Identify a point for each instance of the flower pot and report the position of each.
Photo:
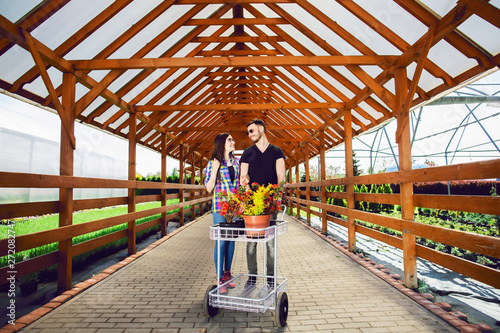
(28, 288)
(233, 224)
(256, 222)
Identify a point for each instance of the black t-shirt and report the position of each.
(262, 166)
(231, 173)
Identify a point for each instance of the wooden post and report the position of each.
(132, 129)
(406, 189)
(64, 271)
(202, 205)
(193, 174)
(322, 176)
(163, 219)
(297, 177)
(290, 190)
(351, 226)
(308, 188)
(181, 181)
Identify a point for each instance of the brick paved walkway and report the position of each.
(163, 291)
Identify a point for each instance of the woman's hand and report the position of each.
(215, 165)
(213, 175)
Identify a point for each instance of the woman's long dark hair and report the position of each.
(218, 151)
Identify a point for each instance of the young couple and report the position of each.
(261, 163)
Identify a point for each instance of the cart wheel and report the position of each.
(281, 313)
(210, 310)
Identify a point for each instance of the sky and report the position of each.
(434, 134)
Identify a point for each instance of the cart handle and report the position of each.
(283, 208)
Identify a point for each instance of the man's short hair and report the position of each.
(257, 121)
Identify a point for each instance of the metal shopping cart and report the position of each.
(261, 295)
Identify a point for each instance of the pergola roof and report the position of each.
(193, 68)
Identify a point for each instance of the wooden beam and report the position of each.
(236, 21)
(63, 114)
(308, 189)
(239, 107)
(50, 57)
(349, 170)
(163, 193)
(322, 175)
(237, 39)
(416, 78)
(238, 128)
(406, 188)
(193, 2)
(181, 181)
(186, 62)
(65, 255)
(132, 158)
(193, 174)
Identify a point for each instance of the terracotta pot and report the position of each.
(256, 222)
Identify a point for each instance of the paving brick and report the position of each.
(163, 291)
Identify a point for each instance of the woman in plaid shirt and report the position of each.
(222, 176)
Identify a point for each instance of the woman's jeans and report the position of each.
(226, 249)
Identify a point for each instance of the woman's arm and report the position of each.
(212, 175)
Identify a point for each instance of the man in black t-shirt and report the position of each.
(261, 163)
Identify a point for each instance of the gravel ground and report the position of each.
(480, 302)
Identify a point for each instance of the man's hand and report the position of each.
(245, 180)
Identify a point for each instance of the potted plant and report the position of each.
(28, 283)
(256, 205)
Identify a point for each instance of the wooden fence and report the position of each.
(195, 194)
(481, 244)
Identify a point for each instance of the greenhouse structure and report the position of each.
(170, 75)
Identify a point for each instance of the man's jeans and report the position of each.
(252, 257)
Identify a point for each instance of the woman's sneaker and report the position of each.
(226, 277)
(222, 289)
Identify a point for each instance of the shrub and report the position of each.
(422, 287)
(441, 247)
(485, 261)
(462, 187)
(469, 255)
(374, 206)
(456, 251)
(386, 189)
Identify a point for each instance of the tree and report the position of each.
(356, 165)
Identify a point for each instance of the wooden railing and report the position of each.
(195, 194)
(481, 244)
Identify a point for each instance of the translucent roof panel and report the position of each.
(214, 66)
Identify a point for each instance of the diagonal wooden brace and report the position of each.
(416, 78)
(63, 114)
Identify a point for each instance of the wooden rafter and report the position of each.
(234, 61)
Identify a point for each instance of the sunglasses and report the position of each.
(249, 131)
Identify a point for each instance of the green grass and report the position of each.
(33, 224)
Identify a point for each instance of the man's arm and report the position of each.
(244, 178)
(280, 170)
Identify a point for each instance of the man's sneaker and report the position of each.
(251, 282)
(226, 277)
(222, 289)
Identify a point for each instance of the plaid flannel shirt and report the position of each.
(224, 183)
